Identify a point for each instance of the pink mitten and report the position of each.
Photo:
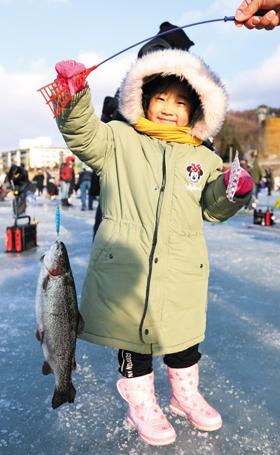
(67, 70)
(245, 183)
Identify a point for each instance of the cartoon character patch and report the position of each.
(194, 172)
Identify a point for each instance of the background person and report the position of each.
(17, 175)
(84, 183)
(51, 185)
(268, 176)
(18, 178)
(39, 179)
(256, 173)
(66, 176)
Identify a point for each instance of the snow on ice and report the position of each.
(239, 368)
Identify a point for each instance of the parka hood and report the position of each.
(182, 64)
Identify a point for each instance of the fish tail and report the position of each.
(46, 368)
(63, 397)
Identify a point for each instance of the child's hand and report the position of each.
(67, 70)
(245, 183)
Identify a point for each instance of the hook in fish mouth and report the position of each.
(56, 272)
(56, 260)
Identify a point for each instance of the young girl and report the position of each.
(145, 290)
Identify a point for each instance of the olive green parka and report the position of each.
(146, 284)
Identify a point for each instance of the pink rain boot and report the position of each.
(187, 401)
(143, 411)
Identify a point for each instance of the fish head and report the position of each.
(56, 259)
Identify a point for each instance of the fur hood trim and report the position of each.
(184, 65)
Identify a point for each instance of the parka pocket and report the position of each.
(188, 255)
(118, 245)
(102, 240)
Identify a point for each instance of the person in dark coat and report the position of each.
(174, 40)
(268, 180)
(39, 180)
(17, 176)
(52, 186)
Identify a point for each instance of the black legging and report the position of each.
(133, 364)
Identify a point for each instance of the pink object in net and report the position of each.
(57, 94)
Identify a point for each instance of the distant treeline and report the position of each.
(240, 131)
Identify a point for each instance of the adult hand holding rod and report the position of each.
(259, 14)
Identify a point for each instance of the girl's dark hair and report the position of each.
(160, 84)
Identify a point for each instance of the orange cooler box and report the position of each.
(21, 237)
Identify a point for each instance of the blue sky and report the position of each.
(35, 34)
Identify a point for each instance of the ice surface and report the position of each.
(239, 368)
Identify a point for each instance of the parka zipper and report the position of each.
(154, 243)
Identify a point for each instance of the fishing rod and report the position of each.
(166, 32)
(57, 94)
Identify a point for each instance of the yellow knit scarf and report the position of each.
(168, 133)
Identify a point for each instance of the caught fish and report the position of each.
(58, 321)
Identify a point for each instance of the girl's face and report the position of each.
(170, 107)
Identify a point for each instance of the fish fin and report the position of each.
(81, 324)
(46, 369)
(63, 397)
(45, 282)
(39, 335)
